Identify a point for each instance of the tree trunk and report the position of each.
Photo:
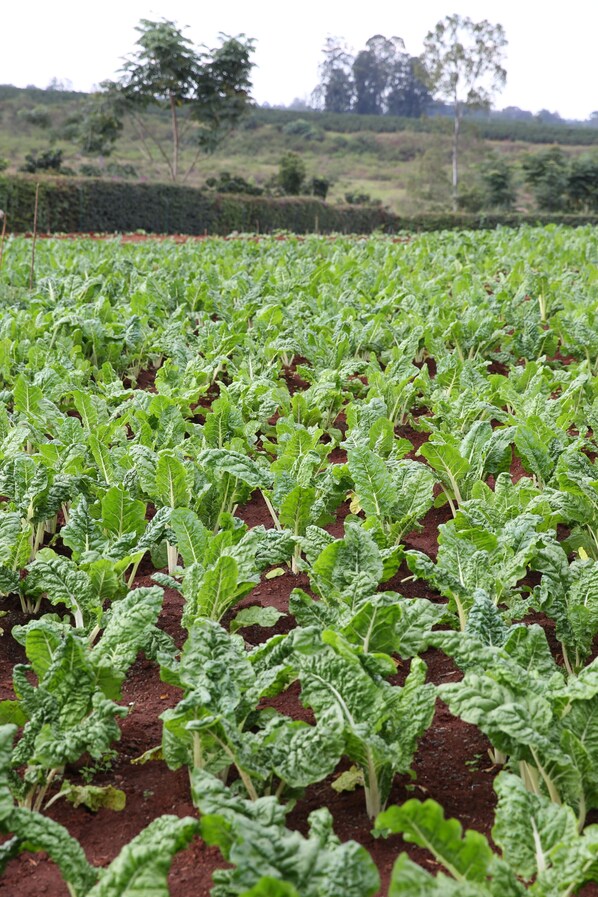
(455, 150)
(175, 138)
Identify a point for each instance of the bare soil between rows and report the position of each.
(451, 765)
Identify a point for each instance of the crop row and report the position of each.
(149, 394)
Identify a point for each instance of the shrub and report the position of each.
(361, 199)
(228, 183)
(497, 180)
(291, 173)
(547, 174)
(48, 160)
(302, 128)
(319, 187)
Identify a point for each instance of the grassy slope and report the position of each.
(408, 170)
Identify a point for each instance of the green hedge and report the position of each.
(88, 205)
(94, 205)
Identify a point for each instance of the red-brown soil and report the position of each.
(451, 764)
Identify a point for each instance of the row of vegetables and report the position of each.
(149, 392)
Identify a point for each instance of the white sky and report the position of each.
(552, 57)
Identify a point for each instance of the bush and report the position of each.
(121, 170)
(361, 199)
(319, 187)
(38, 116)
(87, 170)
(291, 173)
(227, 183)
(3, 163)
(47, 160)
(302, 128)
(547, 174)
(100, 205)
(498, 187)
(582, 187)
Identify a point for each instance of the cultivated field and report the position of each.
(299, 557)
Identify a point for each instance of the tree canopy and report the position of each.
(205, 91)
(462, 61)
(381, 79)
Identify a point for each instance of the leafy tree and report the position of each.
(583, 184)
(372, 72)
(462, 61)
(99, 126)
(497, 180)
(547, 174)
(382, 79)
(205, 93)
(291, 173)
(407, 94)
(386, 80)
(336, 90)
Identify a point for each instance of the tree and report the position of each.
(407, 94)
(372, 72)
(462, 61)
(291, 173)
(99, 125)
(547, 173)
(497, 179)
(336, 90)
(583, 183)
(381, 80)
(205, 93)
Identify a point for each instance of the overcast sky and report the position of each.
(552, 59)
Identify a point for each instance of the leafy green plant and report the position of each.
(381, 723)
(255, 841)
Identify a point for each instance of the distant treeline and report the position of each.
(485, 128)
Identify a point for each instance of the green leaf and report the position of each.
(122, 514)
(82, 533)
(130, 629)
(528, 827)
(533, 453)
(102, 457)
(414, 485)
(256, 616)
(64, 584)
(467, 857)
(297, 508)
(271, 887)
(191, 535)
(216, 591)
(373, 483)
(172, 488)
(253, 838)
(237, 465)
(443, 454)
(351, 567)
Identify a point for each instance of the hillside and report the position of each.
(403, 163)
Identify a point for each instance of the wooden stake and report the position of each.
(32, 273)
(2, 235)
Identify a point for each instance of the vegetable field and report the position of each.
(299, 566)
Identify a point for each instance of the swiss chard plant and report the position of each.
(255, 842)
(381, 723)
